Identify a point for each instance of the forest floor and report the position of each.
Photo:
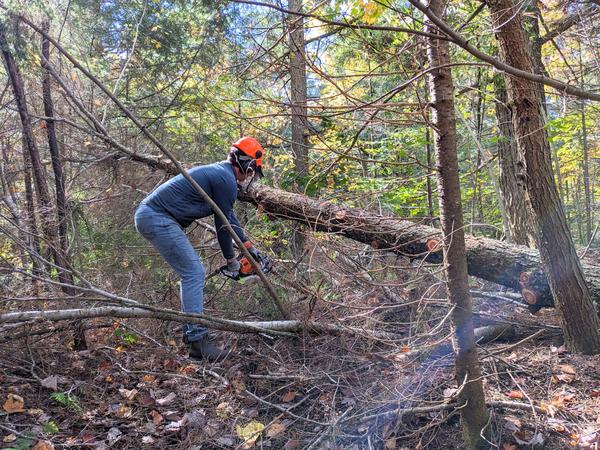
(136, 388)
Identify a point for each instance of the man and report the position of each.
(164, 214)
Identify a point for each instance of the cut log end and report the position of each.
(530, 297)
(434, 245)
(525, 279)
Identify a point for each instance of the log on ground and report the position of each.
(514, 266)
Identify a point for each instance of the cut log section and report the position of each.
(513, 266)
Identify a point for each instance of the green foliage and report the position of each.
(67, 400)
(126, 337)
(50, 427)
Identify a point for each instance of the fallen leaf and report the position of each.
(515, 394)
(275, 429)
(43, 445)
(87, 437)
(292, 444)
(238, 384)
(250, 432)
(170, 363)
(146, 400)
(390, 444)
(226, 441)
(548, 409)
(104, 365)
(449, 392)
(556, 425)
(113, 435)
(151, 379)
(10, 438)
(507, 446)
(172, 415)
(190, 369)
(511, 423)
(128, 394)
(567, 374)
(35, 412)
(157, 419)
(167, 400)
(559, 400)
(567, 368)
(289, 396)
(147, 440)
(224, 410)
(124, 412)
(212, 428)
(50, 382)
(14, 403)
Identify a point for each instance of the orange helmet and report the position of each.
(252, 149)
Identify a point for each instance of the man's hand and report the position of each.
(255, 253)
(232, 269)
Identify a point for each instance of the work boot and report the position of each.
(204, 349)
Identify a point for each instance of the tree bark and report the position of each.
(57, 167)
(579, 322)
(513, 193)
(585, 163)
(467, 370)
(299, 108)
(33, 241)
(298, 89)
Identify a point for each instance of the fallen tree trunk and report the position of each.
(513, 266)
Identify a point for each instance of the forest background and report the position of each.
(339, 96)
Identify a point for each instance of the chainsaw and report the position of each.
(246, 267)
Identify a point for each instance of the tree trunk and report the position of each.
(298, 89)
(468, 372)
(513, 193)
(299, 109)
(513, 266)
(59, 183)
(33, 242)
(587, 192)
(532, 19)
(430, 209)
(579, 322)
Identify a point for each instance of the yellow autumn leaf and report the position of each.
(250, 432)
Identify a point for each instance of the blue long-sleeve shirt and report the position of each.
(178, 198)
